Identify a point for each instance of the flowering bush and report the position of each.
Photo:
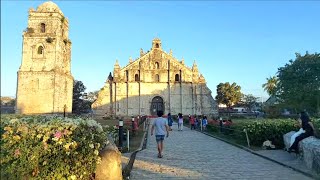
(42, 147)
(273, 130)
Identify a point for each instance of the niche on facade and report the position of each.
(176, 78)
(157, 65)
(136, 78)
(157, 78)
(42, 27)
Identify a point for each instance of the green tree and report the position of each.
(270, 85)
(249, 101)
(299, 83)
(92, 96)
(228, 94)
(78, 103)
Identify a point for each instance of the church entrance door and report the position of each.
(157, 105)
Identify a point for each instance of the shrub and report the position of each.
(39, 147)
(273, 130)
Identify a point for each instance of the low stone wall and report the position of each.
(310, 150)
(110, 167)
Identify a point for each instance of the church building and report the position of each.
(45, 83)
(155, 81)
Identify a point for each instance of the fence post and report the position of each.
(248, 141)
(128, 140)
(120, 134)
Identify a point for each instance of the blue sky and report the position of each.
(243, 42)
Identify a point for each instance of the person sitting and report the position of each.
(307, 126)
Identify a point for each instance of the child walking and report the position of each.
(180, 122)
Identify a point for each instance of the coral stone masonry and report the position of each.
(45, 82)
(155, 81)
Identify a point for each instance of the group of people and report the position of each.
(195, 122)
(162, 126)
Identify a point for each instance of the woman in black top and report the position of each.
(309, 131)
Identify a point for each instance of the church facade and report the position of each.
(44, 79)
(155, 81)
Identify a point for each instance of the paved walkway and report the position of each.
(193, 155)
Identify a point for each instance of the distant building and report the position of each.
(44, 78)
(155, 81)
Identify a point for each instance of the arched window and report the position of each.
(157, 65)
(43, 27)
(136, 77)
(176, 78)
(157, 45)
(40, 50)
(157, 78)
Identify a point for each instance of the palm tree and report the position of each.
(270, 85)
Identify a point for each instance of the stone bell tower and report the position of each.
(45, 83)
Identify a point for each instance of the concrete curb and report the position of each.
(264, 157)
(127, 169)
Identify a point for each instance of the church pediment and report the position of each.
(156, 59)
(153, 65)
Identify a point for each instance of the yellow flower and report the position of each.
(96, 152)
(9, 129)
(67, 146)
(16, 137)
(74, 144)
(39, 136)
(73, 177)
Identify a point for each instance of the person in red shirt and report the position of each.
(192, 123)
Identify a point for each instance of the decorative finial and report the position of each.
(130, 60)
(182, 60)
(141, 52)
(170, 53)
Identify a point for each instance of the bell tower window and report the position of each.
(40, 50)
(157, 65)
(43, 27)
(157, 45)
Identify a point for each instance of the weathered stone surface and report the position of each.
(45, 82)
(155, 74)
(311, 152)
(309, 148)
(110, 167)
(287, 139)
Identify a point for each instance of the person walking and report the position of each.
(180, 122)
(204, 123)
(170, 121)
(192, 123)
(161, 127)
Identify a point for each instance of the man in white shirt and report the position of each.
(161, 127)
